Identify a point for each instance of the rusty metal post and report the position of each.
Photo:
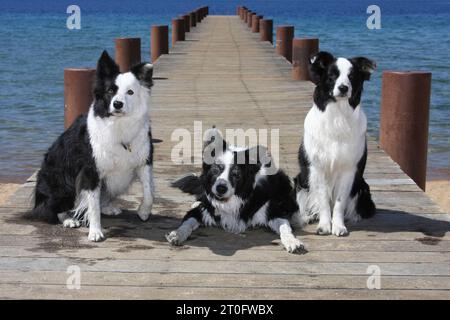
(405, 109)
(193, 19)
(238, 10)
(247, 12)
(159, 41)
(128, 53)
(302, 50)
(250, 20)
(187, 22)
(255, 23)
(178, 30)
(285, 35)
(266, 30)
(243, 13)
(77, 93)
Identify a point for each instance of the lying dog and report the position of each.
(97, 158)
(236, 192)
(333, 153)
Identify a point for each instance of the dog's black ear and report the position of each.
(106, 67)
(213, 145)
(190, 184)
(144, 73)
(364, 65)
(319, 64)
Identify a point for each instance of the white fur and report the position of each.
(118, 166)
(288, 240)
(344, 67)
(177, 237)
(334, 142)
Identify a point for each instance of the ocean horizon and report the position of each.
(37, 46)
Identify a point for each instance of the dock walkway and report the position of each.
(223, 75)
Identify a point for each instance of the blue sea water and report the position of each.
(36, 46)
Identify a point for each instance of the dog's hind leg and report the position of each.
(145, 174)
(290, 242)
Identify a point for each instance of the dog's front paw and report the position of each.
(339, 230)
(174, 239)
(111, 211)
(293, 245)
(324, 228)
(96, 235)
(144, 212)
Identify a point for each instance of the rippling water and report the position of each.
(37, 46)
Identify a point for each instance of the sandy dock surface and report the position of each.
(439, 191)
(7, 190)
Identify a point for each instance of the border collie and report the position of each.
(332, 156)
(96, 159)
(236, 191)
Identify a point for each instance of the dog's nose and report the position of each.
(221, 189)
(343, 89)
(118, 104)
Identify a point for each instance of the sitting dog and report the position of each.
(235, 192)
(97, 158)
(333, 152)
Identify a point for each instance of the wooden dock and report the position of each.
(223, 75)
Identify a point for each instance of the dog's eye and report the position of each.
(111, 91)
(130, 92)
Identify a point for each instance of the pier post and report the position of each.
(266, 30)
(178, 30)
(193, 19)
(243, 13)
(77, 93)
(247, 13)
(405, 109)
(187, 22)
(159, 41)
(255, 23)
(302, 50)
(285, 35)
(250, 20)
(128, 53)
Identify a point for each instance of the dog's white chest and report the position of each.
(118, 151)
(335, 138)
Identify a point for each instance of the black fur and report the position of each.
(365, 206)
(68, 167)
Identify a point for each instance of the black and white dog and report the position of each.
(97, 158)
(237, 191)
(333, 153)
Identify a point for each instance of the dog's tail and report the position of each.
(190, 184)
